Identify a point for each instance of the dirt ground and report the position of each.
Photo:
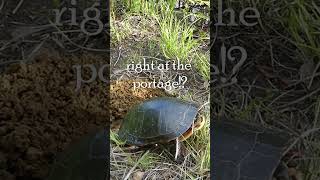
(41, 113)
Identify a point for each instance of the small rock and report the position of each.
(292, 172)
(295, 174)
(138, 175)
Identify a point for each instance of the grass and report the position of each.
(115, 139)
(200, 148)
(152, 28)
(120, 34)
(286, 38)
(199, 2)
(176, 35)
(149, 7)
(147, 160)
(144, 162)
(302, 19)
(201, 60)
(158, 161)
(293, 24)
(175, 32)
(312, 165)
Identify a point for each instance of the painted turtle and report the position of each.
(239, 151)
(160, 120)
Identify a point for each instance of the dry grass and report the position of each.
(278, 85)
(144, 41)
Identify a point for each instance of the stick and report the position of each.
(17, 7)
(135, 165)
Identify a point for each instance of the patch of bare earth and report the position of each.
(41, 113)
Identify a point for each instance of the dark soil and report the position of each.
(41, 113)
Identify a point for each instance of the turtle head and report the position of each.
(199, 122)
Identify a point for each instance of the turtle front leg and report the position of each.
(180, 151)
(177, 149)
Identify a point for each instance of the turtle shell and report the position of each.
(157, 120)
(245, 152)
(83, 160)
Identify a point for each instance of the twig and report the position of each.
(313, 74)
(2, 4)
(303, 80)
(150, 57)
(119, 55)
(35, 50)
(303, 135)
(278, 97)
(17, 7)
(135, 165)
(203, 105)
(24, 32)
(300, 99)
(73, 43)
